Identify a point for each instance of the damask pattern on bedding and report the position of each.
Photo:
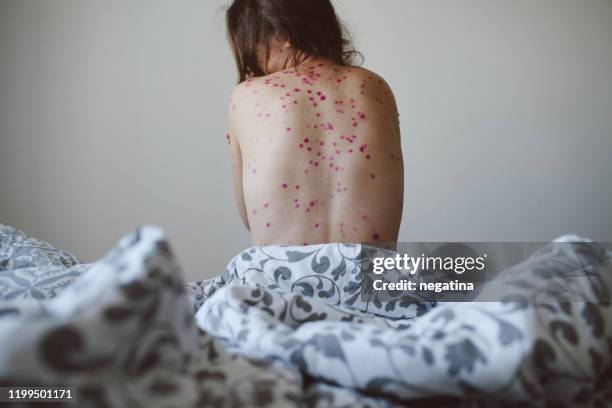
(299, 305)
(286, 326)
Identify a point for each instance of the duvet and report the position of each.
(288, 326)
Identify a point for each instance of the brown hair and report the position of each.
(310, 26)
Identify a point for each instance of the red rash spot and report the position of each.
(364, 217)
(363, 147)
(322, 143)
(296, 90)
(375, 237)
(316, 225)
(301, 146)
(350, 151)
(323, 97)
(368, 157)
(306, 140)
(297, 187)
(268, 225)
(266, 205)
(288, 129)
(312, 203)
(284, 185)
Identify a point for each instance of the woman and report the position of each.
(315, 141)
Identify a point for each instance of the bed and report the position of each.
(287, 326)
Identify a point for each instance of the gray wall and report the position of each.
(112, 114)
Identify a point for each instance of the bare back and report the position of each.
(317, 156)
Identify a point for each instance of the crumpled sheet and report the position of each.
(285, 326)
(300, 306)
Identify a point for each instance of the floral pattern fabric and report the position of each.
(287, 326)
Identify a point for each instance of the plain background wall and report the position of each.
(113, 114)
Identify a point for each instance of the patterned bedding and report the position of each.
(286, 326)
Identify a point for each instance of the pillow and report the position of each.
(19, 250)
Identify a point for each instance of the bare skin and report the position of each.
(316, 156)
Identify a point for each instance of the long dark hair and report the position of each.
(310, 26)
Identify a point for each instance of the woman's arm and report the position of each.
(236, 157)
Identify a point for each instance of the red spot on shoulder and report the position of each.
(284, 185)
(376, 237)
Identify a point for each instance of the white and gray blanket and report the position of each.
(287, 326)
